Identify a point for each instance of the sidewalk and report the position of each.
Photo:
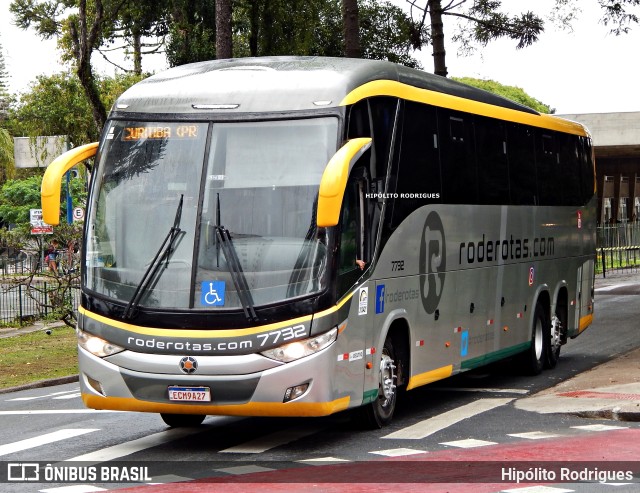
(610, 390)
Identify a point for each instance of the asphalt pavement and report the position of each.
(610, 390)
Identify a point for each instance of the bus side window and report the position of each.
(550, 186)
(418, 171)
(457, 158)
(522, 169)
(354, 256)
(493, 166)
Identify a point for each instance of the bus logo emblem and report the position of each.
(433, 262)
(188, 365)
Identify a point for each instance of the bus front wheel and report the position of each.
(379, 412)
(182, 420)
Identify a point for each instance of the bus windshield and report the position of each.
(237, 199)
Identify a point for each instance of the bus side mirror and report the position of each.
(52, 180)
(334, 181)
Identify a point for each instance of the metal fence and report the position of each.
(22, 304)
(618, 247)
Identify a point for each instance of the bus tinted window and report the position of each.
(522, 170)
(459, 173)
(493, 167)
(418, 173)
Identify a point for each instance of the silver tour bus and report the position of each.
(301, 236)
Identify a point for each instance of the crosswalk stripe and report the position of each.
(132, 446)
(534, 435)
(264, 443)
(47, 438)
(432, 425)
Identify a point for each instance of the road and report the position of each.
(468, 419)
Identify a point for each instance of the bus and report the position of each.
(301, 236)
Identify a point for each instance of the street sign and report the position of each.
(78, 214)
(38, 226)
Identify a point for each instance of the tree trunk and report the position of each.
(255, 28)
(350, 23)
(437, 38)
(84, 42)
(223, 29)
(137, 53)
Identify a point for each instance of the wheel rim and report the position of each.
(556, 331)
(387, 380)
(538, 339)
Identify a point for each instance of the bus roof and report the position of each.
(285, 84)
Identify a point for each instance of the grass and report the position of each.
(37, 356)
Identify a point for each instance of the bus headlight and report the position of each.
(300, 349)
(96, 345)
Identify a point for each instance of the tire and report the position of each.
(536, 357)
(182, 420)
(380, 412)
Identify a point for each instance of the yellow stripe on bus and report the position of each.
(410, 93)
(585, 322)
(209, 333)
(272, 409)
(429, 377)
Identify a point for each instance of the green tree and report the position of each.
(7, 168)
(192, 32)
(620, 14)
(485, 22)
(4, 86)
(56, 105)
(513, 93)
(81, 27)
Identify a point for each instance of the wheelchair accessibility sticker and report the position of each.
(212, 293)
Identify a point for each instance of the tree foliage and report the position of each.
(513, 93)
(56, 105)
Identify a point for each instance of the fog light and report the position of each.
(295, 392)
(95, 385)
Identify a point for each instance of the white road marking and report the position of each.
(323, 461)
(398, 452)
(432, 425)
(75, 395)
(600, 427)
(55, 436)
(609, 288)
(485, 390)
(33, 398)
(128, 448)
(270, 441)
(56, 411)
(534, 435)
(244, 469)
(76, 488)
(469, 443)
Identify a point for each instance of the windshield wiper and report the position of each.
(163, 253)
(235, 269)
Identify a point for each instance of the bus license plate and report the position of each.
(190, 394)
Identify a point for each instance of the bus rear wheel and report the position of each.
(182, 420)
(379, 412)
(555, 341)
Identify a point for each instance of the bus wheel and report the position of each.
(182, 420)
(555, 342)
(536, 356)
(379, 412)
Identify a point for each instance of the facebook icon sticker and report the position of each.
(212, 293)
(380, 298)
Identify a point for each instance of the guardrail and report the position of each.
(618, 247)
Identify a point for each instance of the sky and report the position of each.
(586, 70)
